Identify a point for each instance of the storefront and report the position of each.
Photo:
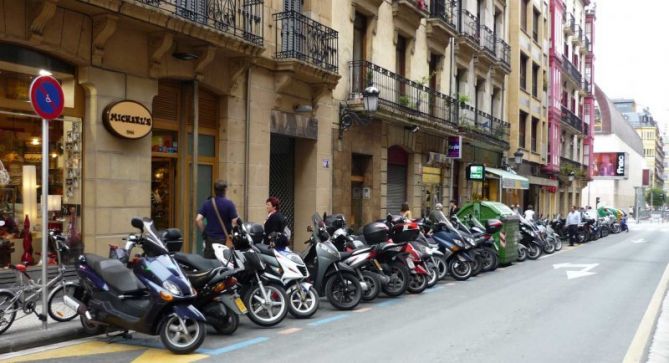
(21, 156)
(507, 185)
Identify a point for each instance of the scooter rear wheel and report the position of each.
(442, 266)
(229, 324)
(490, 260)
(434, 274)
(182, 335)
(399, 280)
(374, 286)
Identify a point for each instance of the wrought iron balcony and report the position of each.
(578, 35)
(444, 10)
(302, 38)
(470, 26)
(504, 53)
(571, 119)
(587, 87)
(487, 37)
(240, 18)
(401, 95)
(479, 122)
(571, 70)
(570, 24)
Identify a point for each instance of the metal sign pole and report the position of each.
(45, 215)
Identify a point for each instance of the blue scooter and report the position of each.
(153, 298)
(452, 244)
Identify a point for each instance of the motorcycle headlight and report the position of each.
(172, 288)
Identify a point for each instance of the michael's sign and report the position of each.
(127, 119)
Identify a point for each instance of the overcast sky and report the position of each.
(632, 53)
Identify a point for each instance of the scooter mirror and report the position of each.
(137, 223)
(389, 218)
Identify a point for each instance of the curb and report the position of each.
(638, 349)
(40, 338)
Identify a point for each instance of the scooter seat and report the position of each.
(197, 262)
(200, 279)
(114, 272)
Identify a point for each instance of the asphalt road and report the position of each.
(528, 312)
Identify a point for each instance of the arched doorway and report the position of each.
(398, 161)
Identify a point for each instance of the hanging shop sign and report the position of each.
(476, 172)
(127, 119)
(454, 147)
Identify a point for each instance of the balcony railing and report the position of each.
(578, 34)
(240, 18)
(571, 24)
(487, 39)
(504, 52)
(483, 123)
(571, 119)
(571, 70)
(444, 10)
(587, 87)
(470, 25)
(300, 37)
(400, 94)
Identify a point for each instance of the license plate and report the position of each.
(410, 263)
(240, 305)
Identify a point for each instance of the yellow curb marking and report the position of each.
(289, 331)
(78, 350)
(165, 356)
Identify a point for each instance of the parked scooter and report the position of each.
(331, 277)
(530, 238)
(450, 242)
(153, 298)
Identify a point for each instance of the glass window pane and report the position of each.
(206, 145)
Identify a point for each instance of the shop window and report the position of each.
(20, 198)
(206, 145)
(163, 141)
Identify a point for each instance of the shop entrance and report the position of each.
(398, 160)
(361, 185)
(163, 196)
(282, 175)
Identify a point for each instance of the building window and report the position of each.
(522, 120)
(535, 24)
(359, 53)
(523, 71)
(535, 79)
(523, 14)
(535, 126)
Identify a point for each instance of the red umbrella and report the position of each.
(27, 257)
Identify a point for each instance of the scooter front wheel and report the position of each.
(442, 266)
(433, 274)
(373, 286)
(182, 335)
(522, 253)
(270, 312)
(417, 283)
(343, 290)
(533, 251)
(302, 304)
(460, 270)
(399, 280)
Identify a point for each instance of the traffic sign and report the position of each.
(46, 97)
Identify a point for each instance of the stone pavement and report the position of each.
(659, 347)
(27, 332)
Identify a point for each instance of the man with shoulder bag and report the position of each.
(220, 214)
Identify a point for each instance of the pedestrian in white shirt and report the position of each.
(573, 220)
(529, 213)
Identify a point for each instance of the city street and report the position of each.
(582, 304)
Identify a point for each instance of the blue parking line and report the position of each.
(232, 347)
(388, 303)
(434, 289)
(328, 320)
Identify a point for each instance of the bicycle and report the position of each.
(26, 294)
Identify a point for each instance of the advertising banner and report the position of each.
(610, 165)
(454, 147)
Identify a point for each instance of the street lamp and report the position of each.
(518, 157)
(370, 103)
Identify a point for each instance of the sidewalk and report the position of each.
(659, 347)
(27, 333)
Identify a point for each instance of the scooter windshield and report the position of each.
(441, 219)
(151, 235)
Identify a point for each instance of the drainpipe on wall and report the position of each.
(193, 185)
(247, 140)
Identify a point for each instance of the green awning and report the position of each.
(510, 180)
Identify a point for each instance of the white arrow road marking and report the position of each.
(640, 240)
(584, 269)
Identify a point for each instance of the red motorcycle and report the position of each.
(405, 232)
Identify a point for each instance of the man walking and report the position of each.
(220, 214)
(573, 220)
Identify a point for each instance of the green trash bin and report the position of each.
(506, 240)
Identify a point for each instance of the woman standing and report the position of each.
(275, 224)
(405, 211)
